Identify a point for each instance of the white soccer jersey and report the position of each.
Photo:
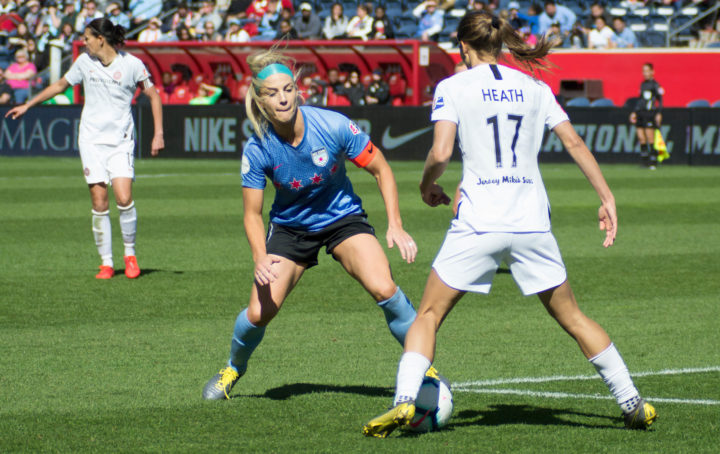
(501, 115)
(109, 90)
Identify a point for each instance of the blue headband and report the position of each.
(274, 68)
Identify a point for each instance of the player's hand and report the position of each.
(633, 118)
(264, 272)
(434, 195)
(405, 243)
(158, 143)
(17, 111)
(607, 216)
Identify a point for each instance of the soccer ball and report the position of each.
(433, 405)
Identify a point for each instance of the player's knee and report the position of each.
(383, 291)
(261, 316)
(124, 201)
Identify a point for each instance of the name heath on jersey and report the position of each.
(492, 94)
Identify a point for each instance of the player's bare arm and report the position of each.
(380, 169)
(577, 149)
(255, 232)
(158, 141)
(436, 163)
(51, 90)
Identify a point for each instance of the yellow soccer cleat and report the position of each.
(642, 417)
(218, 387)
(398, 416)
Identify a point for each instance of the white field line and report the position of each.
(507, 381)
(156, 175)
(558, 395)
(478, 386)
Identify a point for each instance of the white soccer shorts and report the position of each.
(468, 260)
(103, 163)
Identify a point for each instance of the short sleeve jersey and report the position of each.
(109, 90)
(312, 189)
(651, 94)
(501, 115)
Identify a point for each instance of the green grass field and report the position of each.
(118, 366)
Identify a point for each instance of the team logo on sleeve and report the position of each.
(320, 157)
(355, 130)
(438, 103)
(245, 167)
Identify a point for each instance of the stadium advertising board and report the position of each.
(404, 133)
(45, 131)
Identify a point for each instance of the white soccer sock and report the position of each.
(411, 371)
(128, 227)
(103, 236)
(614, 373)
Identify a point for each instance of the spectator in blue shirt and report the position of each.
(431, 19)
(624, 37)
(556, 13)
(116, 15)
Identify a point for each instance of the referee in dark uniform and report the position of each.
(646, 115)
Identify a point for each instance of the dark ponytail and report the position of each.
(486, 34)
(113, 34)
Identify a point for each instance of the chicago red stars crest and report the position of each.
(320, 157)
(117, 75)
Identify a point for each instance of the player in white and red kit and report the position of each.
(499, 115)
(106, 138)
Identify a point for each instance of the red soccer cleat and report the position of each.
(132, 270)
(106, 272)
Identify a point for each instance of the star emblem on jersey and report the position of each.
(320, 157)
(333, 169)
(316, 179)
(296, 185)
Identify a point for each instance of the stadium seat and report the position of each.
(714, 45)
(579, 102)
(602, 102)
(630, 103)
(393, 10)
(665, 11)
(699, 103)
(716, 103)
(653, 38)
(451, 23)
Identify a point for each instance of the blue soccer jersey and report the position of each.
(312, 189)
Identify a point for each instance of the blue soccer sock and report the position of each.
(246, 337)
(399, 314)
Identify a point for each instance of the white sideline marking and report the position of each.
(559, 395)
(156, 175)
(164, 175)
(477, 386)
(506, 381)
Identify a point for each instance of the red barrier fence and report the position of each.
(685, 74)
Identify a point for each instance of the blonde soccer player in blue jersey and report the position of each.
(106, 139)
(302, 151)
(499, 115)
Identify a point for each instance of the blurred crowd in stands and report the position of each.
(29, 28)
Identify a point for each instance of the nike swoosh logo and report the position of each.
(389, 142)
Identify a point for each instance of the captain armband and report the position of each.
(147, 83)
(366, 156)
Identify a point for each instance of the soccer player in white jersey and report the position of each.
(106, 139)
(302, 151)
(499, 115)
